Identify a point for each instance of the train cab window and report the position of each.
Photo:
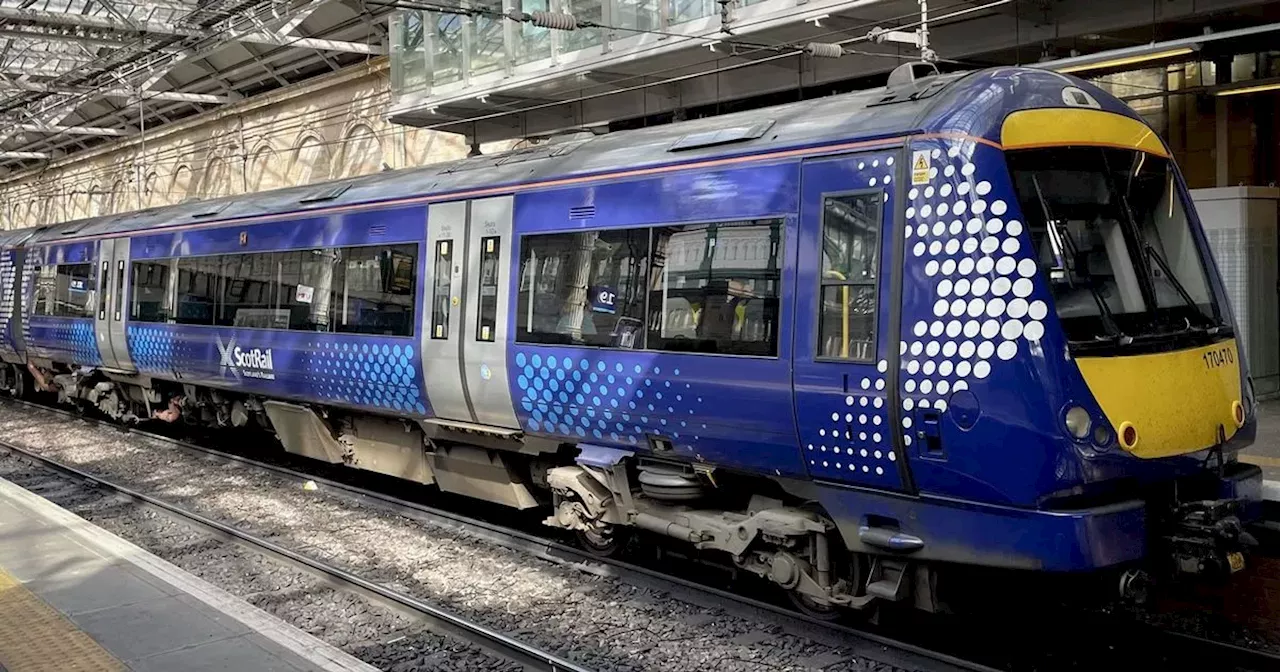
(1110, 231)
(378, 294)
(584, 288)
(310, 285)
(150, 286)
(715, 288)
(850, 275)
(64, 290)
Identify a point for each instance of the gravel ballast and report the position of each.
(374, 634)
(600, 623)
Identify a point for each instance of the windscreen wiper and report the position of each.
(1217, 325)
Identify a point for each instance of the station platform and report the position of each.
(1265, 451)
(76, 598)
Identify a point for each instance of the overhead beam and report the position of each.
(69, 130)
(45, 70)
(43, 17)
(24, 155)
(277, 40)
(50, 34)
(48, 18)
(176, 96)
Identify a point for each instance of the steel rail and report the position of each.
(871, 645)
(439, 620)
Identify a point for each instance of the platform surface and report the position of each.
(74, 598)
(1265, 451)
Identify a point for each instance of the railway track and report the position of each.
(501, 645)
(886, 650)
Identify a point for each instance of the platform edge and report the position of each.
(300, 643)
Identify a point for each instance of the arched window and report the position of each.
(119, 199)
(310, 162)
(264, 170)
(217, 178)
(180, 186)
(149, 190)
(93, 200)
(361, 153)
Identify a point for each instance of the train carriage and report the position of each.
(962, 320)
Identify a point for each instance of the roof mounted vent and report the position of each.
(211, 210)
(916, 80)
(723, 136)
(325, 194)
(910, 73)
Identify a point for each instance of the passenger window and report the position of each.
(248, 292)
(63, 290)
(442, 292)
(310, 285)
(715, 288)
(197, 292)
(379, 293)
(850, 270)
(487, 316)
(150, 291)
(585, 288)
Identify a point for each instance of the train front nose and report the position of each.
(1170, 403)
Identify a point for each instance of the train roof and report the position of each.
(897, 109)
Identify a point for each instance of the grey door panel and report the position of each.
(443, 320)
(488, 280)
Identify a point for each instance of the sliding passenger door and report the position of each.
(113, 280)
(468, 271)
(846, 349)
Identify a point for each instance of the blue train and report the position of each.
(963, 320)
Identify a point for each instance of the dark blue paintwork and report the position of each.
(953, 429)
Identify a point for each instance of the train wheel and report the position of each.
(604, 542)
(807, 606)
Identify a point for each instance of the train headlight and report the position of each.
(1078, 422)
(1237, 413)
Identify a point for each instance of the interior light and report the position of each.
(1127, 60)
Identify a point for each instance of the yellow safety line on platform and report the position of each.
(1260, 460)
(34, 637)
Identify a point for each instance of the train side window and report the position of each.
(487, 316)
(378, 293)
(584, 288)
(850, 276)
(310, 285)
(197, 290)
(442, 289)
(715, 288)
(73, 297)
(63, 290)
(249, 283)
(150, 289)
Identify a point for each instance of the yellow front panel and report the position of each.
(1062, 126)
(1175, 400)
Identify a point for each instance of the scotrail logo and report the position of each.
(255, 363)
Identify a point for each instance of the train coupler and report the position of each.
(1207, 540)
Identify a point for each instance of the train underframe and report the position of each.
(603, 495)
